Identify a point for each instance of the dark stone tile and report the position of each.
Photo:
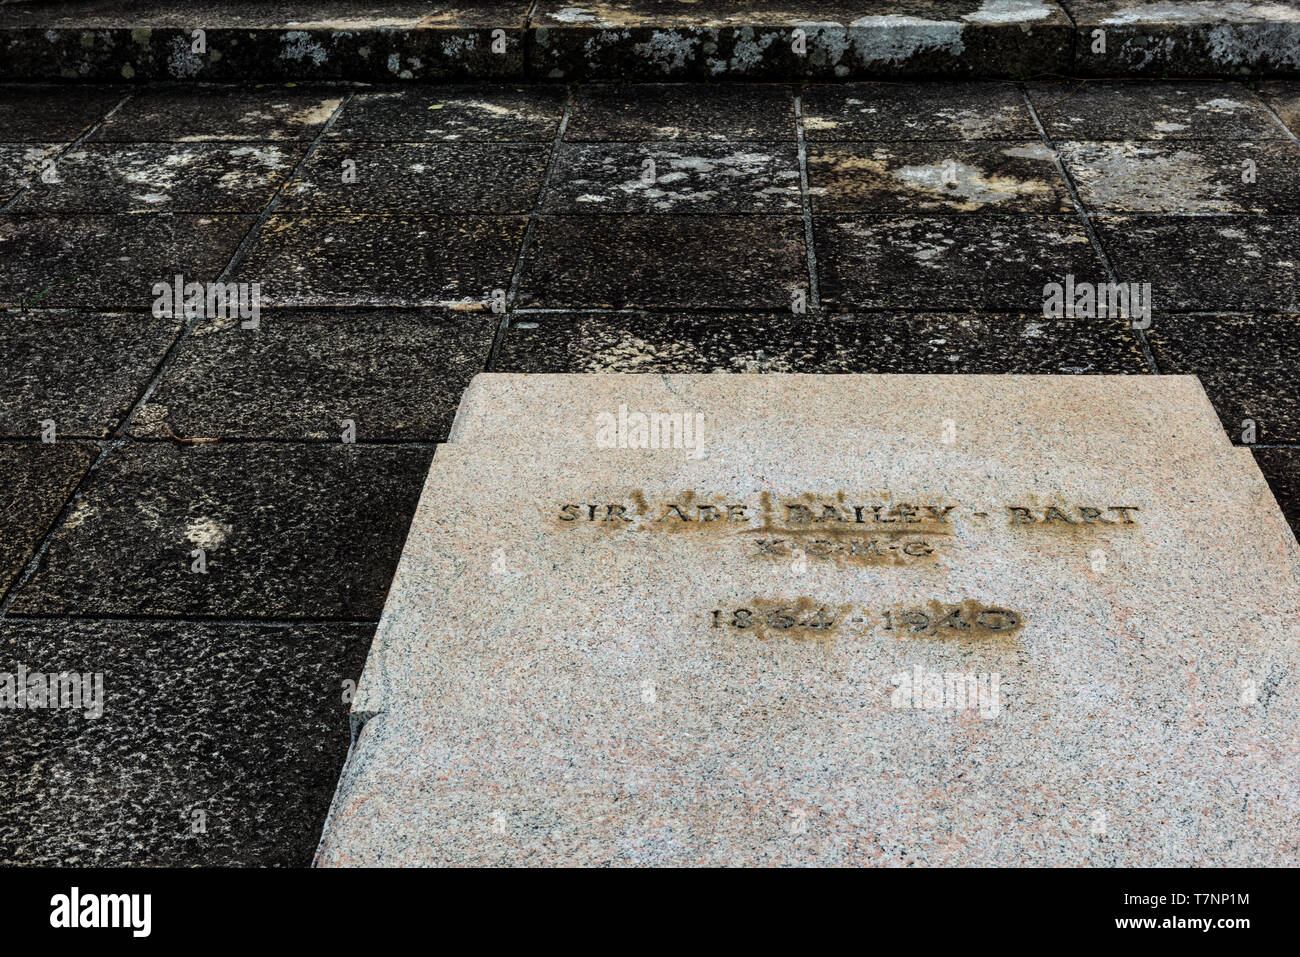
(395, 374)
(106, 262)
(959, 262)
(82, 371)
(1166, 110)
(464, 113)
(1206, 263)
(20, 165)
(36, 480)
(683, 262)
(650, 343)
(688, 178)
(244, 724)
(421, 178)
(1186, 177)
(40, 113)
(383, 260)
(692, 112)
(1282, 469)
(164, 177)
(253, 40)
(951, 177)
(936, 110)
(1283, 96)
(1199, 38)
(290, 531)
(195, 113)
(745, 39)
(1248, 365)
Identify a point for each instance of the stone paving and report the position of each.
(864, 227)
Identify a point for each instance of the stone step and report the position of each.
(140, 40)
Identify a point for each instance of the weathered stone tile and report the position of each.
(1282, 469)
(1283, 96)
(959, 262)
(908, 345)
(684, 262)
(246, 40)
(172, 177)
(84, 372)
(682, 111)
(938, 110)
(1165, 110)
(740, 38)
(36, 479)
(38, 113)
(1187, 38)
(218, 744)
(1204, 263)
(469, 113)
(1246, 363)
(686, 178)
(395, 374)
(1186, 177)
(383, 260)
(420, 178)
(110, 261)
(191, 113)
(20, 165)
(287, 531)
(951, 177)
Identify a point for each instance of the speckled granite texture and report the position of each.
(629, 656)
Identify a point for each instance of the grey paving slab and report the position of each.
(939, 110)
(730, 113)
(1248, 366)
(395, 374)
(1186, 37)
(110, 261)
(287, 531)
(36, 479)
(1190, 176)
(81, 371)
(652, 39)
(644, 343)
(217, 746)
(614, 718)
(173, 177)
(986, 177)
(308, 260)
(38, 113)
(420, 178)
(1283, 97)
(721, 262)
(680, 178)
(200, 112)
(1207, 263)
(1155, 110)
(478, 112)
(955, 262)
(20, 164)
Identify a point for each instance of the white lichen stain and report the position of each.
(299, 45)
(895, 38)
(207, 533)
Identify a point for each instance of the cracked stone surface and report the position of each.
(917, 111)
